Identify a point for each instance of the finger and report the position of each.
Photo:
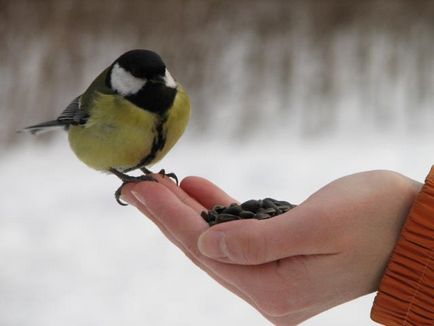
(302, 231)
(166, 208)
(179, 192)
(130, 198)
(257, 242)
(185, 226)
(205, 192)
(191, 254)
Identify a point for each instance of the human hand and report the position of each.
(330, 249)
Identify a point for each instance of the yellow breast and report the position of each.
(117, 135)
(176, 122)
(120, 135)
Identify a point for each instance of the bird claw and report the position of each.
(162, 173)
(170, 175)
(118, 193)
(127, 179)
(146, 177)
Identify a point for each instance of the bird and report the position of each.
(129, 118)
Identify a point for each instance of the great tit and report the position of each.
(129, 118)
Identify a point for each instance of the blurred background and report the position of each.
(286, 97)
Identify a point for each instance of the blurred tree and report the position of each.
(310, 67)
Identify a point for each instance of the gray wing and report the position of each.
(72, 115)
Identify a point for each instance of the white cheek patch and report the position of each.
(125, 83)
(168, 80)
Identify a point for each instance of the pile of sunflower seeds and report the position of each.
(258, 209)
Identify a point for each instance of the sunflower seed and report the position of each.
(258, 209)
(218, 208)
(262, 216)
(226, 218)
(233, 209)
(247, 214)
(251, 205)
(271, 211)
(269, 203)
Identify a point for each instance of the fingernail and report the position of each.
(212, 244)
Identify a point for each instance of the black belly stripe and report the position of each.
(157, 145)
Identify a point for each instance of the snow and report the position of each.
(72, 256)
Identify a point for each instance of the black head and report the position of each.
(142, 77)
(143, 64)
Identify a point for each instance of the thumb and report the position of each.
(300, 231)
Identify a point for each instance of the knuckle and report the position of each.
(249, 247)
(253, 254)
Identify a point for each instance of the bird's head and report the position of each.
(136, 69)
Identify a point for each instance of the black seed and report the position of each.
(213, 215)
(251, 205)
(205, 216)
(259, 209)
(271, 211)
(247, 214)
(235, 210)
(218, 208)
(262, 216)
(226, 218)
(269, 203)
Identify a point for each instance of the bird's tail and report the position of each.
(44, 127)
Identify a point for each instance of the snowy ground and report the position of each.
(72, 256)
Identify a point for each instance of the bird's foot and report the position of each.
(162, 173)
(126, 179)
(170, 175)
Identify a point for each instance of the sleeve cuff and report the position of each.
(406, 293)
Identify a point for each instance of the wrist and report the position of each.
(406, 290)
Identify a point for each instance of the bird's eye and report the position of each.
(138, 73)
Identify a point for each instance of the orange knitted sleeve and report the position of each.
(406, 293)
